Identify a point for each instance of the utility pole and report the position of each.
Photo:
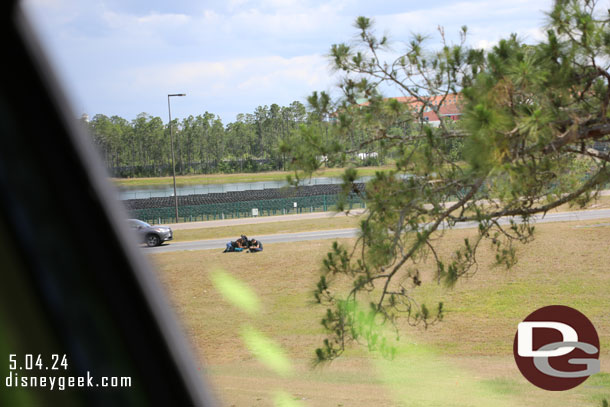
(171, 137)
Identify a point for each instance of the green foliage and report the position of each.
(533, 135)
(203, 144)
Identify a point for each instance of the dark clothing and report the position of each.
(256, 249)
(242, 244)
(236, 246)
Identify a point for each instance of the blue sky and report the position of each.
(122, 57)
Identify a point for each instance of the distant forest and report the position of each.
(203, 144)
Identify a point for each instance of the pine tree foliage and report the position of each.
(534, 135)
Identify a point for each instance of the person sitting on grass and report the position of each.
(241, 244)
(238, 245)
(255, 246)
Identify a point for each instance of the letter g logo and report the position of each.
(556, 348)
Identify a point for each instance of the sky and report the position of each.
(122, 57)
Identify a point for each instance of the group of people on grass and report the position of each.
(244, 245)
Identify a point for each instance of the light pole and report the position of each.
(171, 137)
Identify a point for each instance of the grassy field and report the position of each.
(185, 180)
(258, 229)
(464, 361)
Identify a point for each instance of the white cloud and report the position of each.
(152, 21)
(164, 19)
(534, 34)
(485, 44)
(240, 53)
(49, 4)
(43, 3)
(488, 18)
(246, 74)
(60, 12)
(266, 72)
(230, 86)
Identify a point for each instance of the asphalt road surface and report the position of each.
(219, 244)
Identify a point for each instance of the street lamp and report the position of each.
(171, 137)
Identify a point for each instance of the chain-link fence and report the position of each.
(246, 209)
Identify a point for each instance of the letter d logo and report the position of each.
(526, 338)
(556, 348)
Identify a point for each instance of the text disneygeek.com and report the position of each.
(22, 373)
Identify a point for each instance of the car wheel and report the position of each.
(152, 240)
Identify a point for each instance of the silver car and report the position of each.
(151, 235)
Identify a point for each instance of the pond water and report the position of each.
(168, 190)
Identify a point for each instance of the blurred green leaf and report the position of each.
(235, 291)
(266, 351)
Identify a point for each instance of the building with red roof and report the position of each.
(450, 107)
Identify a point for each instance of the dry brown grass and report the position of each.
(464, 361)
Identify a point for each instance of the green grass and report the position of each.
(464, 361)
(258, 229)
(186, 180)
(421, 377)
(502, 386)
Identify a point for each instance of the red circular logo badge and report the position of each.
(556, 348)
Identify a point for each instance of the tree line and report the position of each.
(203, 144)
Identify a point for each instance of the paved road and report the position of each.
(219, 244)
